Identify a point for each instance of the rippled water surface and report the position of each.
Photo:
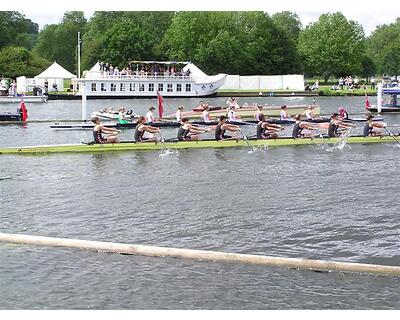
(306, 202)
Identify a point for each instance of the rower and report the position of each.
(335, 124)
(266, 130)
(343, 115)
(258, 112)
(222, 127)
(372, 128)
(284, 115)
(178, 113)
(232, 117)
(205, 115)
(150, 115)
(98, 130)
(188, 132)
(309, 113)
(299, 126)
(141, 128)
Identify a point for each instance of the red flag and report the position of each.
(23, 111)
(367, 105)
(160, 105)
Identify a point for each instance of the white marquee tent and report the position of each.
(54, 74)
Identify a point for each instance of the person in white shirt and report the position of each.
(309, 113)
(205, 115)
(284, 114)
(232, 115)
(178, 113)
(150, 115)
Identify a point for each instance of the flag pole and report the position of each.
(79, 54)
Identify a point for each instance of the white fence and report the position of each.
(279, 82)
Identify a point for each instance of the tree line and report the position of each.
(245, 43)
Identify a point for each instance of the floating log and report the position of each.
(152, 251)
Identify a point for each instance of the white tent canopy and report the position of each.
(55, 71)
(55, 75)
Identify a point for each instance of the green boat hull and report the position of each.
(130, 146)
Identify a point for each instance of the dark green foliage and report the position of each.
(58, 42)
(17, 61)
(16, 30)
(332, 46)
(232, 42)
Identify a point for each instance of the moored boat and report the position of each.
(146, 78)
(388, 100)
(131, 146)
(17, 99)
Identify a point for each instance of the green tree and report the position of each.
(231, 42)
(118, 37)
(368, 67)
(382, 47)
(58, 42)
(17, 61)
(332, 46)
(288, 22)
(16, 30)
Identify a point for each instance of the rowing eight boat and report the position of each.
(130, 146)
(162, 124)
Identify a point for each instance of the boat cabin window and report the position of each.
(94, 86)
(160, 87)
(169, 87)
(141, 87)
(113, 87)
(103, 87)
(132, 87)
(188, 87)
(151, 86)
(122, 87)
(178, 87)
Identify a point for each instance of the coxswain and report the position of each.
(299, 126)
(99, 129)
(205, 115)
(222, 127)
(150, 115)
(343, 115)
(188, 132)
(258, 112)
(284, 115)
(266, 130)
(335, 124)
(372, 128)
(141, 128)
(178, 113)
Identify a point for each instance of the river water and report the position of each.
(302, 202)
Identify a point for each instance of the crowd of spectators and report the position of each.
(142, 70)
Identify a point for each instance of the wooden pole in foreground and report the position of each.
(317, 265)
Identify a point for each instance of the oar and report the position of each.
(322, 137)
(245, 122)
(247, 141)
(162, 140)
(392, 135)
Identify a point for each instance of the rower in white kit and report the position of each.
(150, 115)
(205, 115)
(178, 113)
